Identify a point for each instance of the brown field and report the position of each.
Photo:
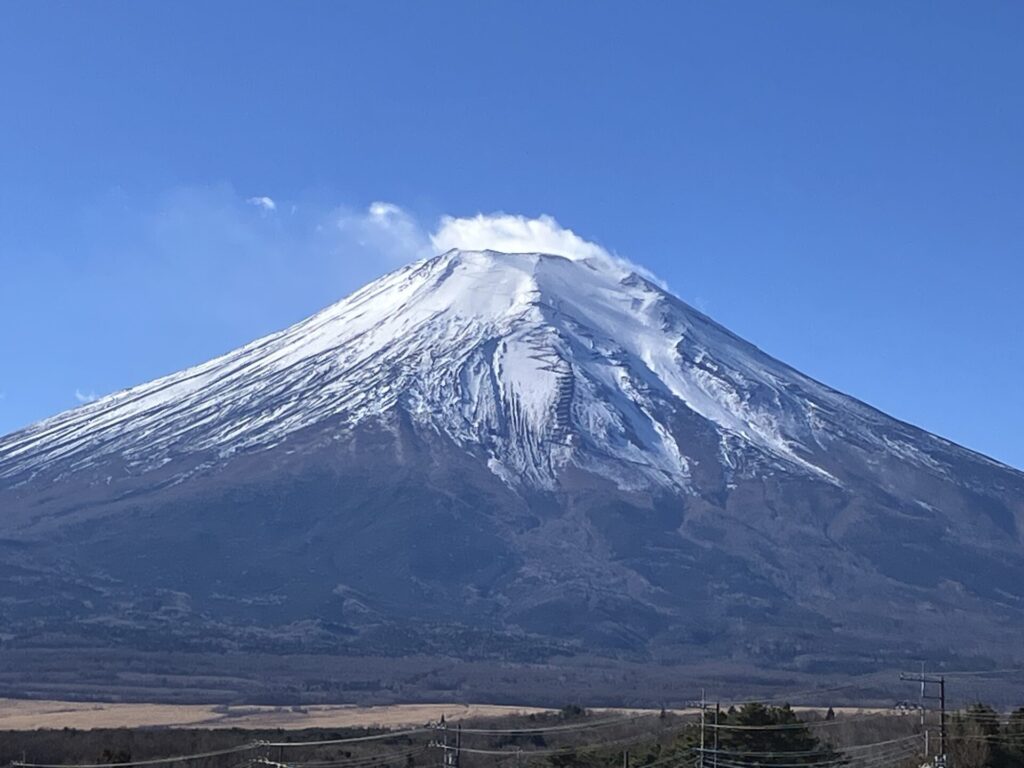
(28, 714)
(20, 714)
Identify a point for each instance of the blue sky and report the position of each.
(840, 183)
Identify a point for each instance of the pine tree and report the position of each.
(760, 735)
(1014, 736)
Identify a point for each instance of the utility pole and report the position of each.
(924, 725)
(444, 740)
(942, 709)
(450, 753)
(940, 681)
(453, 753)
(703, 709)
(718, 709)
(703, 750)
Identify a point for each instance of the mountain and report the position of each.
(508, 457)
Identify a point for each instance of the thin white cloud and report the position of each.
(240, 274)
(385, 231)
(387, 227)
(390, 233)
(198, 237)
(263, 202)
(85, 397)
(381, 211)
(513, 234)
(510, 233)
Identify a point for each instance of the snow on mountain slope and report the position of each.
(423, 467)
(537, 361)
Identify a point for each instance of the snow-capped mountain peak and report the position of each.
(552, 455)
(536, 362)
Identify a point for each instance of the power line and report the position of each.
(865, 762)
(558, 750)
(351, 740)
(984, 672)
(840, 720)
(356, 761)
(791, 696)
(157, 761)
(248, 747)
(825, 751)
(561, 728)
(925, 680)
(722, 758)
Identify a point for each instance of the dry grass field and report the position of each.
(29, 714)
(22, 714)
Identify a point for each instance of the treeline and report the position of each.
(982, 738)
(119, 745)
(752, 735)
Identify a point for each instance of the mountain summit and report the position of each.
(535, 363)
(509, 455)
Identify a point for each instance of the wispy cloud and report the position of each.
(513, 234)
(402, 238)
(221, 268)
(393, 232)
(264, 202)
(384, 231)
(85, 397)
(381, 210)
(206, 257)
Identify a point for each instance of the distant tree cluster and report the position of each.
(758, 734)
(978, 738)
(753, 735)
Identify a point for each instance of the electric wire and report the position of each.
(839, 720)
(155, 761)
(350, 740)
(359, 761)
(864, 762)
(788, 696)
(802, 753)
(873, 752)
(559, 728)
